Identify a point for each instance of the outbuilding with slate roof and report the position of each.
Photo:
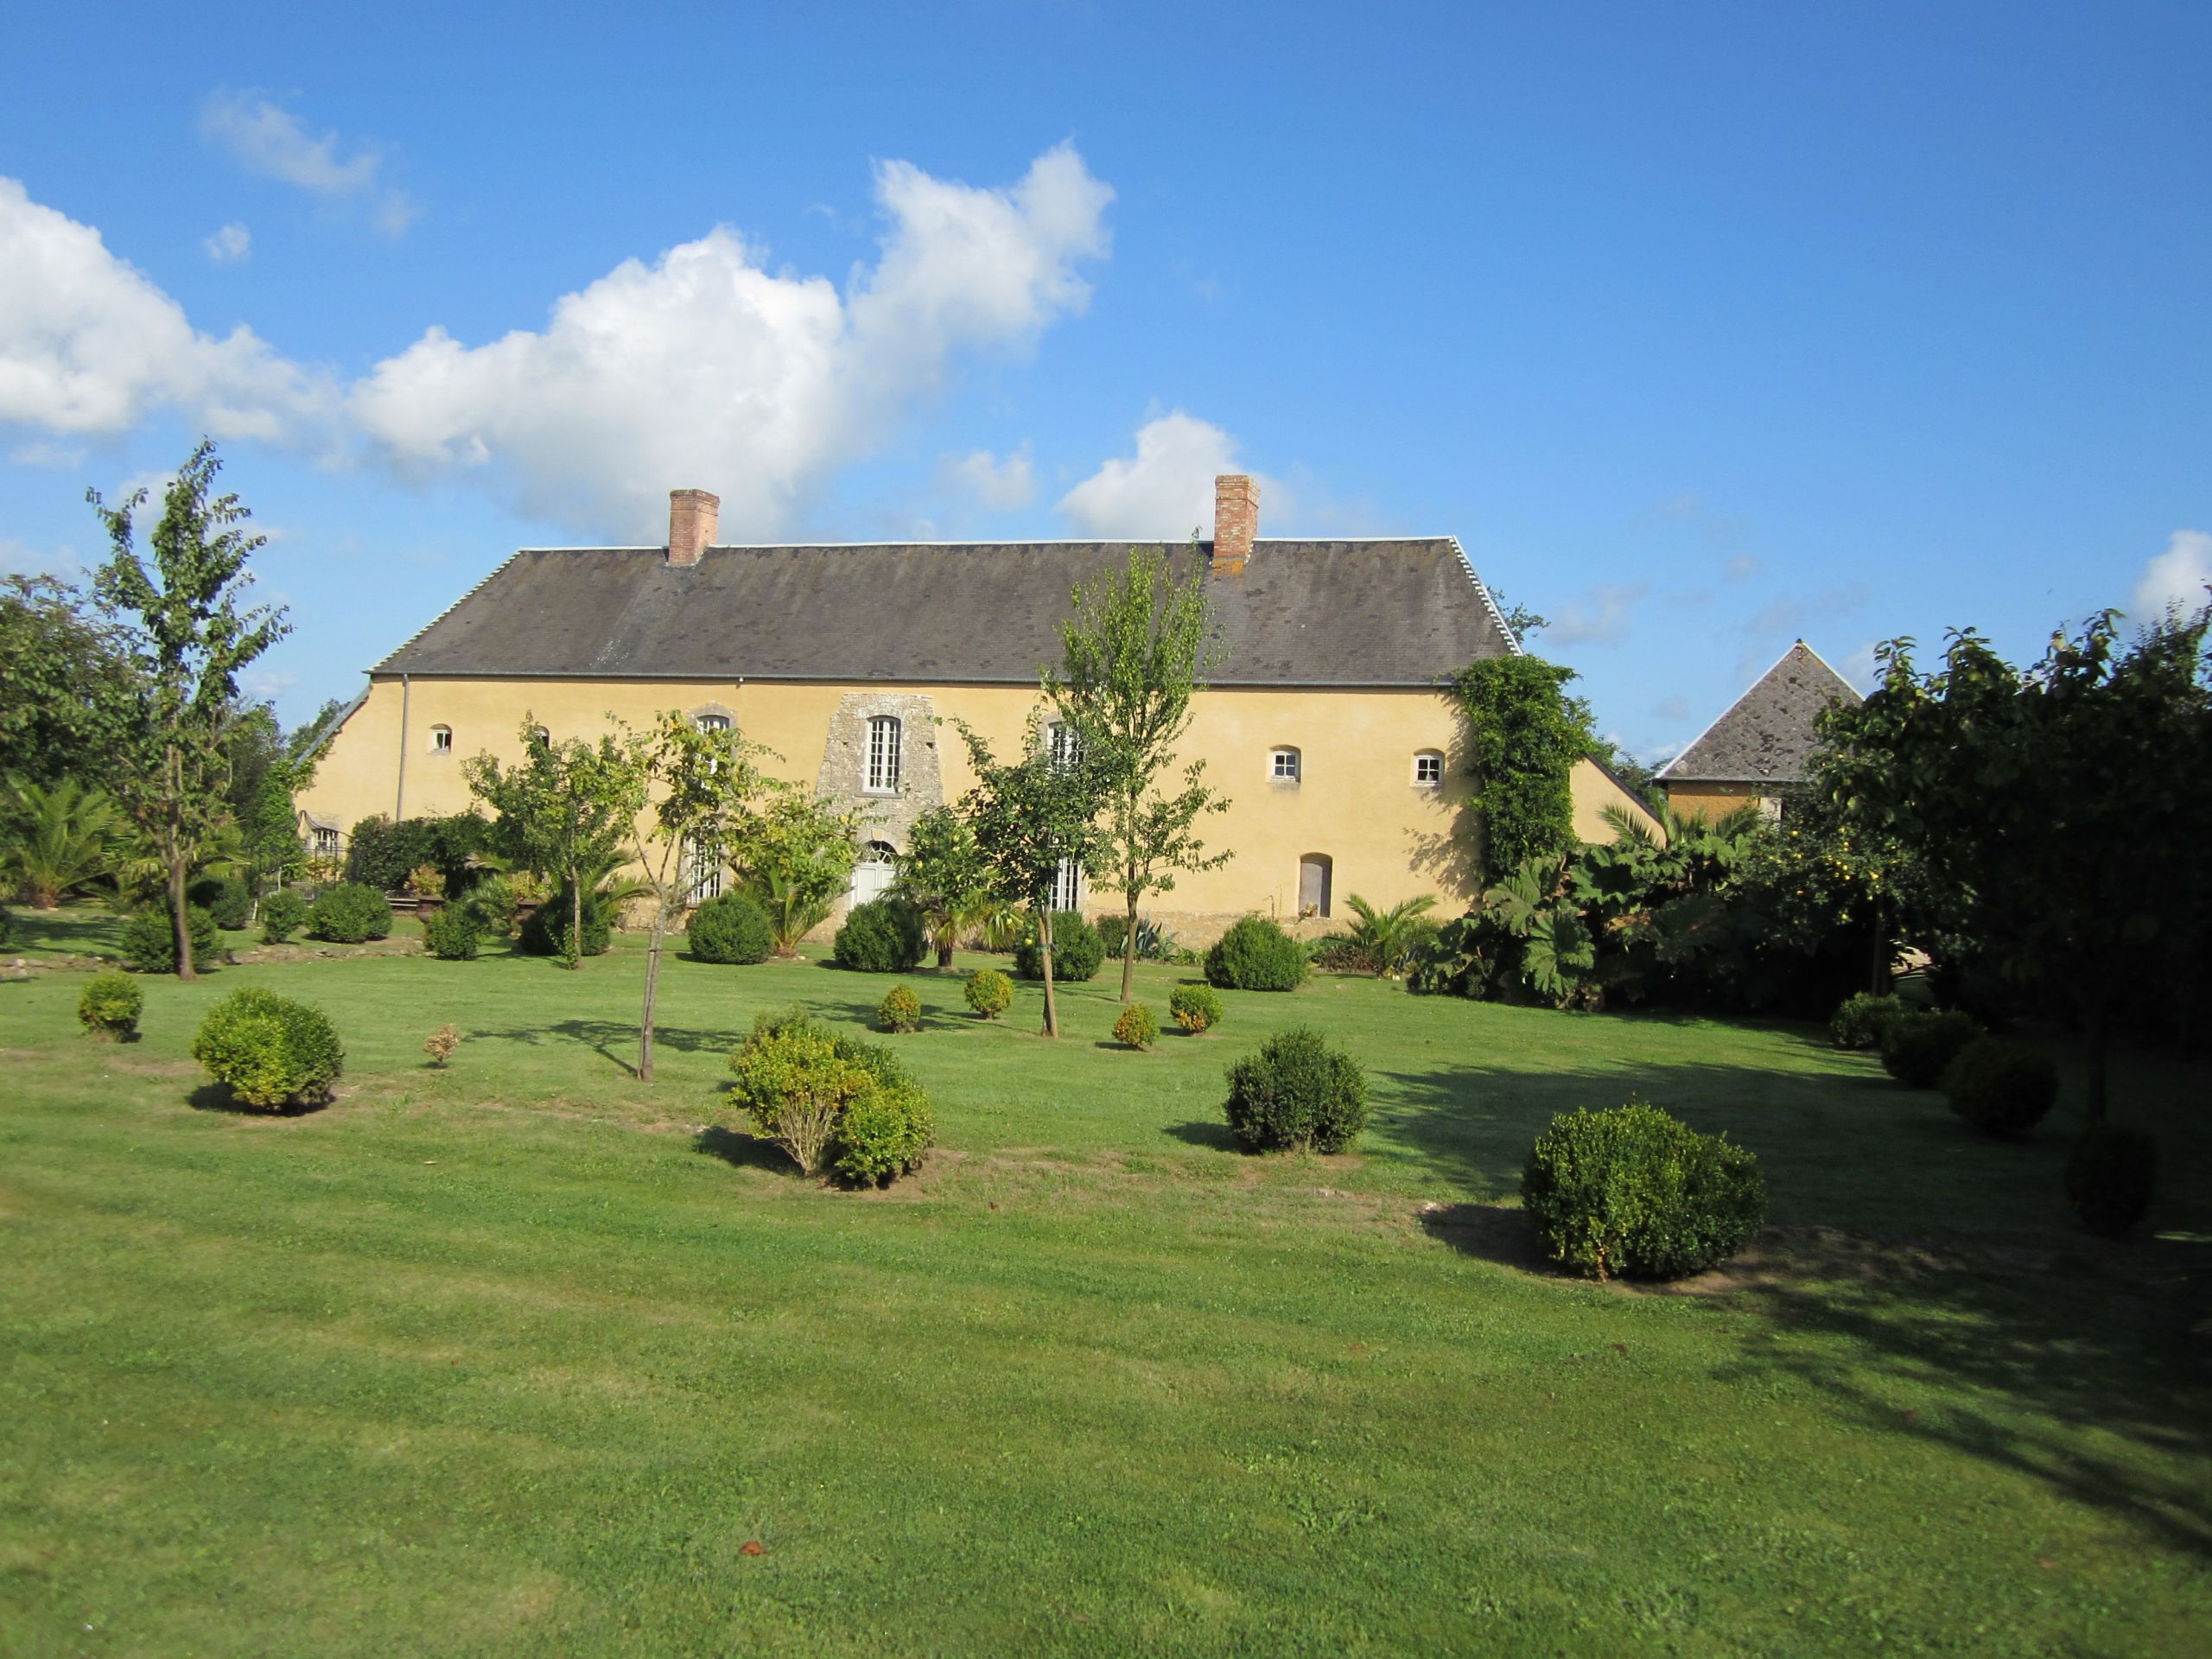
(1324, 723)
(1762, 744)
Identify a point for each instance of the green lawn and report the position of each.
(519, 1356)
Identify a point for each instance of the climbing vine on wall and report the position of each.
(1524, 734)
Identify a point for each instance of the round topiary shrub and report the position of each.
(729, 928)
(268, 1049)
(1138, 1028)
(283, 913)
(2000, 1088)
(1077, 952)
(1635, 1193)
(885, 936)
(900, 1009)
(1860, 1021)
(1195, 1008)
(225, 898)
(110, 1008)
(150, 943)
(1918, 1048)
(1298, 1092)
(1256, 954)
(451, 934)
(989, 992)
(347, 912)
(2111, 1176)
(884, 1132)
(546, 932)
(826, 1097)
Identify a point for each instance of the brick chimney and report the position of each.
(1235, 522)
(692, 516)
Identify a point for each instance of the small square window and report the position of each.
(1428, 768)
(1283, 766)
(442, 740)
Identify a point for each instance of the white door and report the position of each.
(872, 875)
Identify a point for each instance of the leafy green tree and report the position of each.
(187, 636)
(66, 683)
(564, 810)
(2062, 809)
(794, 856)
(700, 781)
(1031, 817)
(269, 768)
(1524, 735)
(942, 874)
(56, 840)
(1137, 649)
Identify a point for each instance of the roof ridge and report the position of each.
(1023, 541)
(1513, 644)
(483, 582)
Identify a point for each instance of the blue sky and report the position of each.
(1703, 328)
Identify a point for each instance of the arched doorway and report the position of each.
(872, 875)
(1316, 871)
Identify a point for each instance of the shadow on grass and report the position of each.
(616, 1040)
(217, 1097)
(1218, 1136)
(740, 1150)
(1490, 1233)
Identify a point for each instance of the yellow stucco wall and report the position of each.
(1712, 800)
(1356, 802)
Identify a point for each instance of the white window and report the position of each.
(440, 740)
(1067, 886)
(702, 868)
(1282, 766)
(713, 723)
(883, 755)
(1062, 746)
(1428, 768)
(325, 844)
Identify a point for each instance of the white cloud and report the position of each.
(89, 346)
(704, 369)
(2175, 577)
(1166, 490)
(1001, 484)
(20, 559)
(1600, 617)
(231, 245)
(265, 137)
(60, 457)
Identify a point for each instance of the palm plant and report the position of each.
(57, 840)
(1388, 939)
(796, 905)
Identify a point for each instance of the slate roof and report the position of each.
(1767, 734)
(1390, 612)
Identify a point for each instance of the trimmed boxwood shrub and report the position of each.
(110, 1008)
(1077, 952)
(1299, 1090)
(1256, 954)
(900, 1009)
(1138, 1028)
(346, 913)
(1196, 1007)
(2111, 1176)
(1918, 1048)
(827, 1097)
(283, 913)
(1999, 1087)
(225, 898)
(729, 929)
(451, 934)
(1633, 1191)
(150, 945)
(268, 1049)
(884, 1132)
(885, 936)
(546, 932)
(989, 992)
(1860, 1021)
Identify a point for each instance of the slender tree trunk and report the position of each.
(653, 992)
(179, 914)
(575, 918)
(945, 940)
(1045, 953)
(1129, 944)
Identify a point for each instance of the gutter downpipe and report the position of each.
(399, 801)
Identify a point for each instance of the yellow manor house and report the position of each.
(1324, 726)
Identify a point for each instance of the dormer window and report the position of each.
(883, 740)
(1283, 766)
(1428, 769)
(440, 740)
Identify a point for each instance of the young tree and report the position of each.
(188, 637)
(1031, 817)
(2063, 810)
(942, 874)
(795, 856)
(703, 777)
(1137, 649)
(564, 809)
